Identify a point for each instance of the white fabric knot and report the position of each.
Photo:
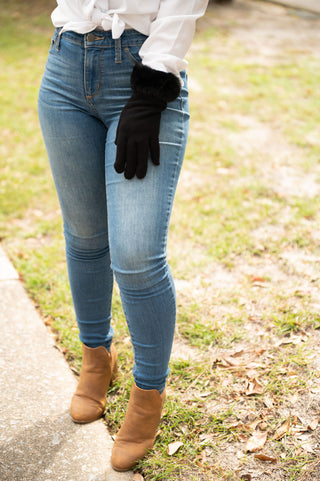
(108, 21)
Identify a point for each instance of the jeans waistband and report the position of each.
(103, 38)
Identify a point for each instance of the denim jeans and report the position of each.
(112, 226)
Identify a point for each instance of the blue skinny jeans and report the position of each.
(113, 227)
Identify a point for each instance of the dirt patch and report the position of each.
(268, 31)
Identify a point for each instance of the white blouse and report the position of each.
(169, 25)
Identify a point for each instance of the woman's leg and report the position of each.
(139, 213)
(75, 143)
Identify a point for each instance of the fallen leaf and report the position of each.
(173, 447)
(183, 428)
(300, 431)
(308, 447)
(245, 477)
(282, 430)
(313, 424)
(256, 442)
(259, 283)
(231, 361)
(137, 477)
(205, 394)
(254, 387)
(237, 353)
(292, 340)
(22, 255)
(252, 426)
(251, 373)
(259, 351)
(265, 457)
(48, 321)
(263, 426)
(206, 438)
(63, 350)
(268, 401)
(257, 279)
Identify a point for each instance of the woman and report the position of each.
(113, 111)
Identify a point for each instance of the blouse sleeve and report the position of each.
(171, 34)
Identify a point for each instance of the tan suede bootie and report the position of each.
(138, 431)
(99, 368)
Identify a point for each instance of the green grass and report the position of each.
(229, 193)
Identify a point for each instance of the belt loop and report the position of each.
(58, 39)
(117, 45)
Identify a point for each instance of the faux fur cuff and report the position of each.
(154, 83)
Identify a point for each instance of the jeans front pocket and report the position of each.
(132, 53)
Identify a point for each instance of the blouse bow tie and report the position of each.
(105, 20)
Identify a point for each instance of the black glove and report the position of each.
(139, 123)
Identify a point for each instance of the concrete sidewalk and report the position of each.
(38, 440)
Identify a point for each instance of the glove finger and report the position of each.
(131, 165)
(142, 154)
(120, 162)
(154, 150)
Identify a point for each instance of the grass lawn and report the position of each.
(243, 394)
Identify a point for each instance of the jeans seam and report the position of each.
(173, 178)
(99, 81)
(90, 97)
